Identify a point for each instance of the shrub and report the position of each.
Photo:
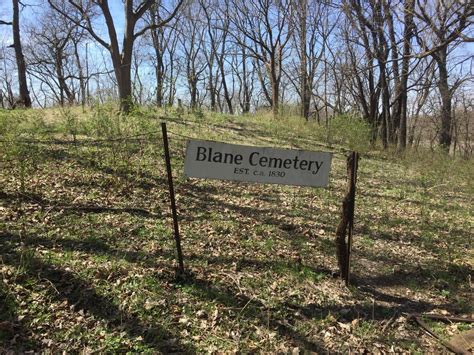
(105, 121)
(15, 128)
(349, 131)
(69, 122)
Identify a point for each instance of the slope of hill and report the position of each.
(87, 256)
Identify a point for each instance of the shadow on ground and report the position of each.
(80, 293)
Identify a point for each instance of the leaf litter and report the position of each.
(260, 261)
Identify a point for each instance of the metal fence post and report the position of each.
(352, 191)
(172, 199)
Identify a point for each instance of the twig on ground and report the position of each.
(390, 321)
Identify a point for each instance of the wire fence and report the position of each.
(221, 127)
(138, 165)
(153, 136)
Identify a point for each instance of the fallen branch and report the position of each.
(446, 344)
(443, 318)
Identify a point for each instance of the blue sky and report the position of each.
(29, 14)
(33, 11)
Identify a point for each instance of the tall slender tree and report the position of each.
(24, 99)
(402, 96)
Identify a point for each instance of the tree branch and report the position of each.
(84, 16)
(145, 7)
(466, 38)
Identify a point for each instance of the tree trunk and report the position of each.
(261, 79)
(64, 91)
(211, 86)
(403, 103)
(445, 135)
(159, 72)
(394, 77)
(59, 75)
(382, 51)
(227, 96)
(125, 82)
(275, 84)
(192, 83)
(82, 82)
(244, 86)
(157, 40)
(386, 118)
(159, 84)
(125, 89)
(25, 99)
(122, 61)
(275, 98)
(304, 95)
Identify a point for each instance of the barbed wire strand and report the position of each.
(152, 137)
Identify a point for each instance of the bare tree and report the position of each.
(218, 33)
(83, 12)
(24, 99)
(209, 50)
(139, 90)
(193, 56)
(264, 26)
(386, 42)
(51, 56)
(245, 71)
(6, 79)
(442, 25)
(402, 88)
(422, 88)
(163, 42)
(305, 87)
(362, 79)
(464, 118)
(312, 26)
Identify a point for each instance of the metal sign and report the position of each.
(216, 160)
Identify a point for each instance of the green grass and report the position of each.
(259, 257)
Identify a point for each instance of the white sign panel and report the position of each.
(216, 160)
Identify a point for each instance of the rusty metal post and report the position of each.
(172, 198)
(352, 192)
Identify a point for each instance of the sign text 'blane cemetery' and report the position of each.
(216, 160)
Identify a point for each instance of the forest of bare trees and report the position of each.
(401, 65)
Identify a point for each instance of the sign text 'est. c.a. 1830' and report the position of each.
(216, 160)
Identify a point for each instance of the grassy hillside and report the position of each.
(87, 256)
